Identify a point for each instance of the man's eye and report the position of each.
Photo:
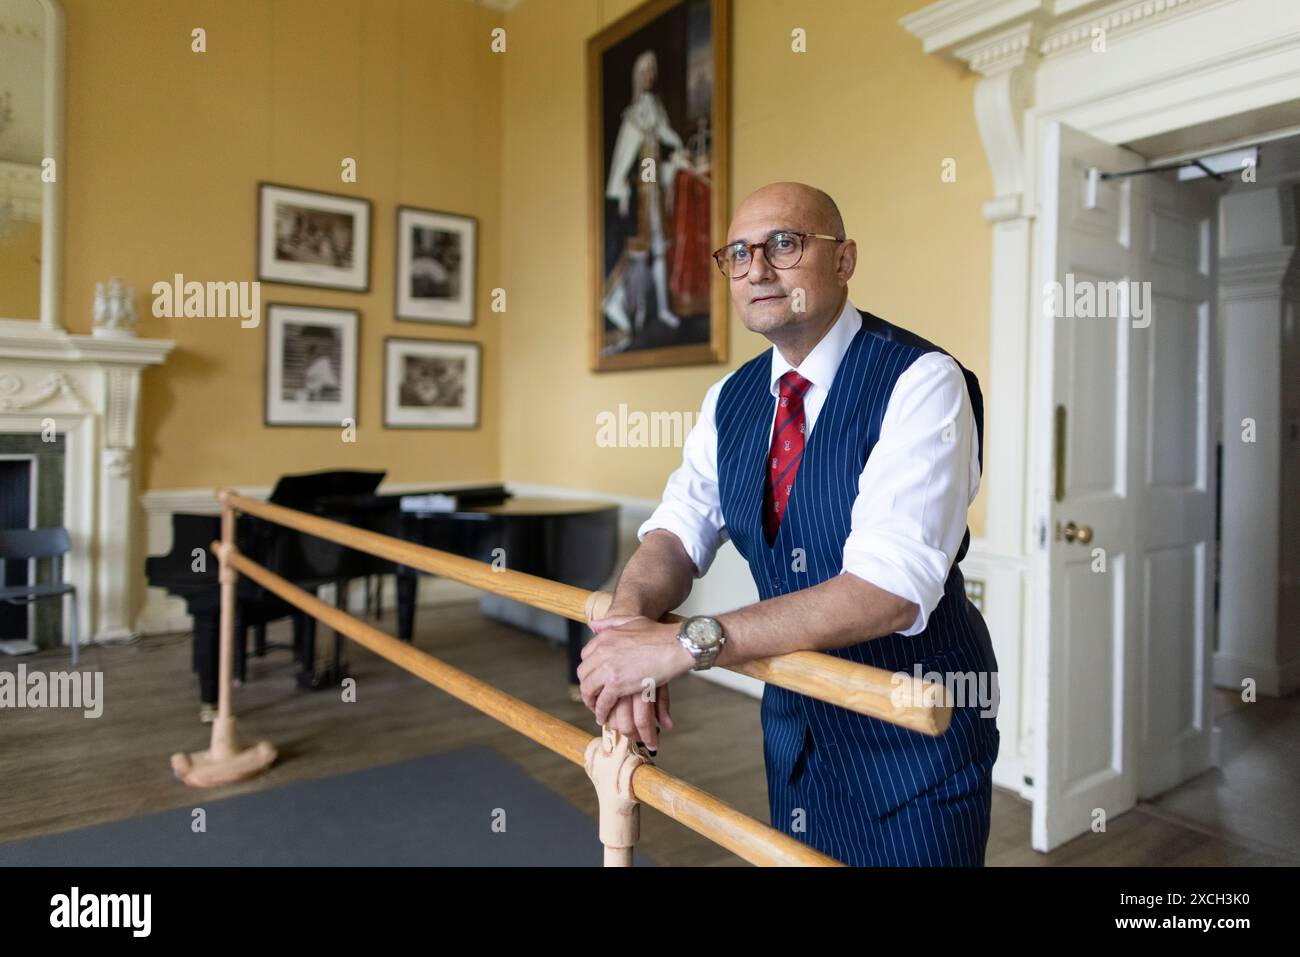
(739, 252)
(782, 241)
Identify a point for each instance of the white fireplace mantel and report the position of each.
(86, 388)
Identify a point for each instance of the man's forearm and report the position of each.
(656, 579)
(842, 611)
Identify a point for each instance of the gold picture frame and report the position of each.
(648, 74)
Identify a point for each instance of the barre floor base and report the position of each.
(437, 810)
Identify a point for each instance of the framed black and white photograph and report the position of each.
(431, 384)
(307, 238)
(436, 259)
(311, 365)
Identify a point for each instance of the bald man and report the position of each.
(840, 463)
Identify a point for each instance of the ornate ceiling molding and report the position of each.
(1115, 20)
(1006, 50)
(949, 23)
(987, 34)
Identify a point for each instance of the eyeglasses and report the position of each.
(783, 249)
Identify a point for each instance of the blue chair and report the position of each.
(22, 544)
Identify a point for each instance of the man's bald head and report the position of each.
(792, 305)
(816, 204)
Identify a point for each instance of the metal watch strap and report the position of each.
(704, 657)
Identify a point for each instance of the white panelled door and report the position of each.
(1177, 477)
(1125, 270)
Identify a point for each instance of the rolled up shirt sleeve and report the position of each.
(909, 517)
(691, 507)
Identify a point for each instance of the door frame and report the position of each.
(1166, 65)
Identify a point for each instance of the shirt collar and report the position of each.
(820, 365)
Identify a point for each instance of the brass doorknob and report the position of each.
(1080, 533)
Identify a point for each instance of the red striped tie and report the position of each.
(787, 449)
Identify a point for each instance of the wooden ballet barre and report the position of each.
(903, 700)
(688, 805)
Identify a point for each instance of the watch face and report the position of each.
(704, 632)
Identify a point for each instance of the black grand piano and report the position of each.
(573, 542)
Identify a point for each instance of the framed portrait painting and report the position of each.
(307, 238)
(430, 384)
(657, 91)
(311, 365)
(436, 256)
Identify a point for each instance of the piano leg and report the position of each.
(206, 663)
(338, 669)
(299, 622)
(407, 579)
(305, 637)
(312, 676)
(578, 635)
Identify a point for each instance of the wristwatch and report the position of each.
(702, 636)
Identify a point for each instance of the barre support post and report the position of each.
(611, 760)
(224, 762)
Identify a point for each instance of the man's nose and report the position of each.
(760, 270)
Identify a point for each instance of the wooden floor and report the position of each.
(60, 771)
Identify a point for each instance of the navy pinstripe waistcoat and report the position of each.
(857, 788)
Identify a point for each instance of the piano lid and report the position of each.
(307, 487)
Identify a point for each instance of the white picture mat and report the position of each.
(459, 309)
(271, 269)
(395, 415)
(280, 411)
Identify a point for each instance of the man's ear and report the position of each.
(847, 261)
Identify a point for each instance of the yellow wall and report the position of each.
(165, 148)
(863, 114)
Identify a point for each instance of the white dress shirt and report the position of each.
(909, 516)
